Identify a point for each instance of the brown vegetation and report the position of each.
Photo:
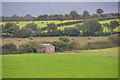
(82, 40)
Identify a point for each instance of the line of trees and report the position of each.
(72, 15)
(88, 28)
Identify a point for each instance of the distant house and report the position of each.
(48, 48)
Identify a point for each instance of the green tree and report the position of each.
(74, 14)
(22, 33)
(92, 26)
(10, 28)
(65, 39)
(15, 16)
(99, 11)
(28, 15)
(113, 25)
(86, 14)
(60, 45)
(71, 31)
(52, 27)
(9, 48)
(30, 47)
(61, 17)
(31, 26)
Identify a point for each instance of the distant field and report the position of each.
(81, 40)
(42, 24)
(39, 23)
(101, 63)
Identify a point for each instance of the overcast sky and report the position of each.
(39, 8)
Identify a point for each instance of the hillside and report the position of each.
(101, 63)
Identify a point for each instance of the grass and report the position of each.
(101, 63)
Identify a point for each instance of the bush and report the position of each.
(9, 48)
(22, 33)
(30, 47)
(114, 24)
(115, 39)
(60, 45)
(99, 45)
(73, 45)
(65, 39)
(31, 26)
(91, 28)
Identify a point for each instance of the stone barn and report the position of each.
(48, 48)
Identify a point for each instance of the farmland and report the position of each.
(18, 41)
(100, 63)
(42, 24)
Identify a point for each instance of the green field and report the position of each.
(101, 63)
(42, 24)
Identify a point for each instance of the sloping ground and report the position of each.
(88, 64)
(80, 40)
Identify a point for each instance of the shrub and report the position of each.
(30, 47)
(31, 26)
(73, 45)
(60, 45)
(22, 33)
(114, 24)
(91, 28)
(65, 39)
(99, 45)
(9, 48)
(115, 39)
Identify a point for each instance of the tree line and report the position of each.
(72, 15)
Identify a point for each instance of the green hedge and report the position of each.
(99, 45)
(9, 48)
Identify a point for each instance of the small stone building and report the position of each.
(48, 48)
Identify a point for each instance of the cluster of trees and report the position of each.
(72, 15)
(88, 28)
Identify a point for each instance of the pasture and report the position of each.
(42, 24)
(81, 40)
(100, 63)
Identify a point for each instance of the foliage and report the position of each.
(65, 39)
(99, 45)
(86, 14)
(51, 27)
(29, 47)
(22, 33)
(73, 45)
(115, 39)
(60, 45)
(92, 27)
(71, 31)
(74, 14)
(10, 28)
(31, 26)
(99, 11)
(114, 24)
(9, 48)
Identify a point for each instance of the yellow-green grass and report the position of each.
(40, 24)
(108, 21)
(101, 63)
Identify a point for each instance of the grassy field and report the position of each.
(39, 23)
(101, 63)
(81, 40)
(42, 24)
